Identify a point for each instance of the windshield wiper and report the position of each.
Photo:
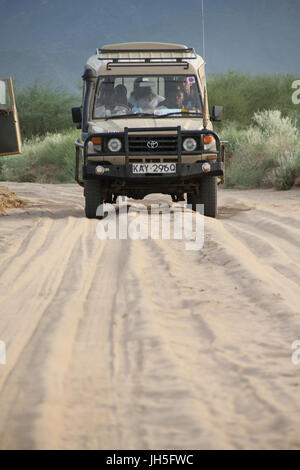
(179, 112)
(116, 116)
(130, 115)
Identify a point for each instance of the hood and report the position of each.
(118, 125)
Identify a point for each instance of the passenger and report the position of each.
(175, 98)
(189, 93)
(142, 97)
(106, 98)
(121, 95)
(179, 99)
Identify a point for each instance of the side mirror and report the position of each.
(216, 114)
(76, 115)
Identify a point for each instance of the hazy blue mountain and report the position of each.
(51, 39)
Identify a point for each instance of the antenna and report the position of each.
(203, 31)
(205, 117)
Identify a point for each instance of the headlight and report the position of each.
(189, 144)
(208, 142)
(114, 145)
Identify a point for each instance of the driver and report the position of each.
(142, 97)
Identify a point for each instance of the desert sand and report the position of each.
(141, 344)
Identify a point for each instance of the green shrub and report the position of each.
(289, 167)
(266, 153)
(242, 95)
(43, 110)
(49, 159)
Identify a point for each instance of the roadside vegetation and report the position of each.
(259, 122)
(46, 159)
(242, 95)
(266, 153)
(43, 110)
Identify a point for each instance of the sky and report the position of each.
(51, 39)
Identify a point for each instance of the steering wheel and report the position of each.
(123, 106)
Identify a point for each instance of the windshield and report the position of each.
(158, 95)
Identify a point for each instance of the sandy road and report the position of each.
(137, 344)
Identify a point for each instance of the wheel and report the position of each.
(93, 198)
(208, 195)
(191, 199)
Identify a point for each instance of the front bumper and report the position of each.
(124, 172)
(184, 171)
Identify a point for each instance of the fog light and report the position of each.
(99, 170)
(206, 167)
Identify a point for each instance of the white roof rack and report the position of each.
(144, 47)
(120, 55)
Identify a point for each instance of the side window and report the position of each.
(5, 98)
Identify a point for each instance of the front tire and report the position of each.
(208, 195)
(191, 199)
(93, 198)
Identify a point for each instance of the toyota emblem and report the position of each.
(152, 144)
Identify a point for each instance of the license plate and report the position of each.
(140, 168)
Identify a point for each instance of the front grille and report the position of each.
(135, 160)
(148, 144)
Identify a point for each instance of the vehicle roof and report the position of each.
(144, 45)
(155, 57)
